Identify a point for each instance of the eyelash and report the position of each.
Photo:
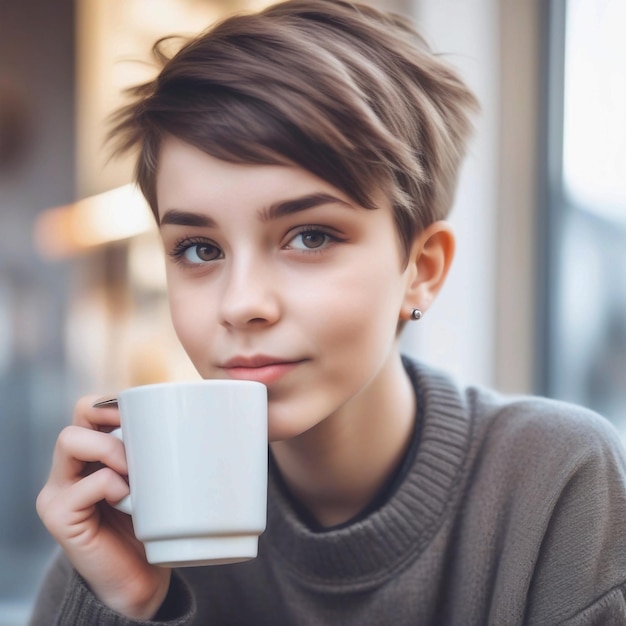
(181, 247)
(332, 237)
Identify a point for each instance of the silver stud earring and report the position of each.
(416, 314)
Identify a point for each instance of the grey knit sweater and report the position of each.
(512, 511)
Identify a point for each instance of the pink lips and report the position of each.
(263, 369)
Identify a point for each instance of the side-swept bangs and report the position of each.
(344, 91)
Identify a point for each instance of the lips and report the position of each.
(260, 368)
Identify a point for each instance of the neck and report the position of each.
(336, 468)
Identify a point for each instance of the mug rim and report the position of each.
(186, 384)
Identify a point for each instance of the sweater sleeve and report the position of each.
(64, 598)
(610, 610)
(580, 576)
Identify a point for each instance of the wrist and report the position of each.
(138, 602)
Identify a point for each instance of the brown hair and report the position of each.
(343, 90)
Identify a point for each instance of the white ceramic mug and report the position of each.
(197, 469)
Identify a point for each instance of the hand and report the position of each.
(87, 472)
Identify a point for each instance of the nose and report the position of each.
(249, 298)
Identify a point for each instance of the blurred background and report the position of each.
(536, 301)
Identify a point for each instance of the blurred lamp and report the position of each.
(95, 221)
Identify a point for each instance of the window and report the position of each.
(586, 218)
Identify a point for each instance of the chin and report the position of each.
(283, 432)
(284, 425)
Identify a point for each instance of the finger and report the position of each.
(105, 484)
(70, 512)
(77, 446)
(88, 416)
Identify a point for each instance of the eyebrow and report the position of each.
(280, 209)
(288, 207)
(186, 218)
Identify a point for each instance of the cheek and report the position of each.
(361, 306)
(190, 322)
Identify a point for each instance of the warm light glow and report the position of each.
(111, 216)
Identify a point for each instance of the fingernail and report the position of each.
(106, 402)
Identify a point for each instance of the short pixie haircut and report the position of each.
(347, 92)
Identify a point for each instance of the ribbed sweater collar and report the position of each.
(369, 551)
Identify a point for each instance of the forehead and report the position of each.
(188, 178)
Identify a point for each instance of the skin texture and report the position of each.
(273, 275)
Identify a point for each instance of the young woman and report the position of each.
(300, 163)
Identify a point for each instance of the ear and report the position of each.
(430, 258)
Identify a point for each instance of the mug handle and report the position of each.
(125, 504)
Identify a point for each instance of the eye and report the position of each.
(311, 239)
(196, 252)
(201, 253)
